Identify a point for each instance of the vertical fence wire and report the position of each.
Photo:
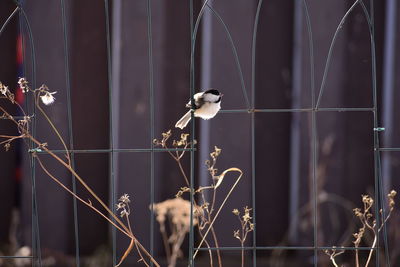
(112, 184)
(253, 139)
(24, 71)
(379, 188)
(314, 128)
(152, 123)
(314, 197)
(70, 127)
(375, 132)
(294, 180)
(36, 249)
(192, 137)
(314, 156)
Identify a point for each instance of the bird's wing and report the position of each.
(198, 101)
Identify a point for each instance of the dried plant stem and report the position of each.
(333, 261)
(72, 171)
(147, 253)
(127, 251)
(133, 238)
(383, 223)
(222, 205)
(212, 228)
(357, 259)
(182, 171)
(371, 250)
(80, 180)
(140, 254)
(177, 157)
(214, 235)
(165, 241)
(242, 252)
(87, 203)
(176, 247)
(246, 227)
(131, 244)
(205, 217)
(54, 129)
(10, 138)
(129, 230)
(244, 235)
(178, 160)
(333, 253)
(208, 246)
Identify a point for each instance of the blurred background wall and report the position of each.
(73, 56)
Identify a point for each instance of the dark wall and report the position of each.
(284, 170)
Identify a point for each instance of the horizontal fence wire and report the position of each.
(17, 257)
(269, 110)
(286, 248)
(116, 150)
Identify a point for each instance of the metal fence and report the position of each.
(249, 94)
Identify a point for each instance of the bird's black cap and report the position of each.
(212, 91)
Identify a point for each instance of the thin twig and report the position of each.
(53, 127)
(222, 205)
(140, 255)
(89, 204)
(371, 250)
(208, 246)
(165, 241)
(127, 251)
(68, 166)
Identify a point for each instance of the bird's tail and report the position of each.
(184, 120)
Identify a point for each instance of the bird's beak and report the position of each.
(222, 95)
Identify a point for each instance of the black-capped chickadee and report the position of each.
(206, 106)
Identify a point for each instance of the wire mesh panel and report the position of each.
(285, 175)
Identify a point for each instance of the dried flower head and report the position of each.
(391, 197)
(251, 225)
(7, 146)
(23, 84)
(167, 134)
(217, 151)
(367, 200)
(211, 164)
(3, 89)
(358, 236)
(236, 212)
(246, 216)
(48, 98)
(120, 205)
(246, 224)
(125, 199)
(163, 141)
(236, 234)
(358, 212)
(368, 219)
(392, 194)
(182, 190)
(177, 210)
(182, 142)
(124, 213)
(123, 205)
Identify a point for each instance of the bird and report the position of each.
(206, 106)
